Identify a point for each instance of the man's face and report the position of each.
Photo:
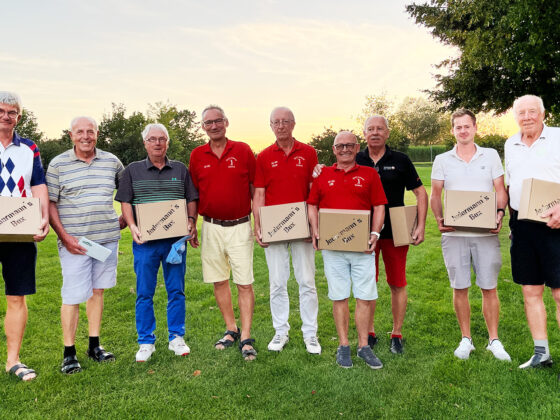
(10, 117)
(156, 143)
(214, 124)
(528, 115)
(464, 129)
(84, 136)
(282, 124)
(376, 132)
(345, 149)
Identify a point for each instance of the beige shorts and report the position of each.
(226, 249)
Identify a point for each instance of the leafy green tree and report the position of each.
(323, 143)
(507, 48)
(420, 121)
(28, 128)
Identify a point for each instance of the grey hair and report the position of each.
(147, 129)
(534, 97)
(345, 133)
(376, 116)
(11, 98)
(75, 120)
(283, 108)
(210, 107)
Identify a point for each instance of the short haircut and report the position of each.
(534, 97)
(75, 120)
(11, 98)
(210, 107)
(461, 112)
(345, 133)
(283, 108)
(376, 116)
(147, 129)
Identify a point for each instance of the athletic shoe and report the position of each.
(396, 345)
(178, 346)
(312, 345)
(372, 340)
(343, 358)
(369, 357)
(497, 349)
(278, 342)
(464, 349)
(145, 352)
(537, 360)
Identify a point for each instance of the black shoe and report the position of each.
(535, 361)
(70, 365)
(99, 354)
(343, 358)
(396, 345)
(372, 341)
(371, 359)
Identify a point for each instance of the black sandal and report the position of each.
(70, 365)
(226, 342)
(23, 372)
(248, 352)
(99, 354)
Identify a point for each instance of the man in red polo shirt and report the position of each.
(283, 176)
(223, 172)
(346, 185)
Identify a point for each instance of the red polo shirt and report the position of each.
(286, 179)
(223, 182)
(358, 189)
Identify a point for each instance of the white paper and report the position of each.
(94, 250)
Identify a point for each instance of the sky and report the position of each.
(319, 58)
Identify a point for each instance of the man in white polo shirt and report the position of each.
(534, 152)
(469, 167)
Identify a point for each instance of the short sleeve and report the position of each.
(125, 194)
(497, 168)
(251, 164)
(412, 180)
(313, 198)
(38, 173)
(191, 193)
(377, 193)
(53, 183)
(437, 169)
(259, 172)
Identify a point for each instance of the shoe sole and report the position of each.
(345, 367)
(180, 354)
(546, 364)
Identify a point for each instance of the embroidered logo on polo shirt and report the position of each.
(300, 160)
(231, 161)
(274, 163)
(207, 166)
(389, 168)
(483, 167)
(359, 181)
(331, 182)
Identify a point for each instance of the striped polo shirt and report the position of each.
(83, 194)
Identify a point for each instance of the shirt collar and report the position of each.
(478, 152)
(150, 165)
(517, 136)
(207, 149)
(295, 147)
(16, 139)
(354, 168)
(72, 154)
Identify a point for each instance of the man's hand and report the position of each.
(554, 213)
(442, 228)
(136, 236)
(418, 235)
(44, 230)
(122, 222)
(317, 170)
(71, 244)
(258, 237)
(499, 217)
(194, 234)
(372, 242)
(315, 240)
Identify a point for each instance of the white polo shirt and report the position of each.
(541, 160)
(477, 175)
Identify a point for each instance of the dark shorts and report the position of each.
(535, 253)
(394, 258)
(18, 267)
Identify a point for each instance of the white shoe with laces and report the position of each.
(278, 342)
(178, 346)
(312, 345)
(497, 349)
(464, 350)
(145, 352)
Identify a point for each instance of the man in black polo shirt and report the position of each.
(151, 180)
(397, 173)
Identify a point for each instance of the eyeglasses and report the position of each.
(281, 122)
(156, 140)
(219, 121)
(11, 114)
(342, 146)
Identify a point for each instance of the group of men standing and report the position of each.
(225, 183)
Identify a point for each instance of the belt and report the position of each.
(226, 223)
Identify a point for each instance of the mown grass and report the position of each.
(426, 382)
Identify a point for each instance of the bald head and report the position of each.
(345, 137)
(281, 112)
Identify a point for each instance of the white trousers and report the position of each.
(303, 261)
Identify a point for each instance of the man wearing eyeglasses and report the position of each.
(284, 175)
(346, 185)
(21, 175)
(154, 179)
(223, 172)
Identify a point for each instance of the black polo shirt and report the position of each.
(397, 173)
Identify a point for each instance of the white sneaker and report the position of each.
(497, 349)
(278, 342)
(312, 345)
(145, 352)
(464, 349)
(179, 347)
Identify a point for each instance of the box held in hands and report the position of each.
(537, 197)
(284, 222)
(470, 210)
(20, 219)
(344, 230)
(404, 220)
(164, 219)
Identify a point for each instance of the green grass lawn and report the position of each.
(426, 382)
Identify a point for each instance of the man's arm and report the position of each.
(127, 212)
(192, 213)
(437, 208)
(501, 201)
(42, 193)
(376, 226)
(258, 202)
(422, 203)
(70, 242)
(313, 215)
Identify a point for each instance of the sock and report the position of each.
(69, 350)
(396, 335)
(93, 342)
(541, 347)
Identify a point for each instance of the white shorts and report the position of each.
(346, 270)
(81, 274)
(225, 249)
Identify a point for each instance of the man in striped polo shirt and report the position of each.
(151, 180)
(81, 183)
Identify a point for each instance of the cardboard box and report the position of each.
(284, 222)
(20, 219)
(404, 220)
(537, 197)
(470, 210)
(344, 230)
(165, 219)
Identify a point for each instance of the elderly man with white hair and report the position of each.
(21, 175)
(81, 184)
(154, 179)
(534, 152)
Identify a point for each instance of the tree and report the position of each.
(420, 121)
(377, 105)
(323, 143)
(28, 128)
(507, 48)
